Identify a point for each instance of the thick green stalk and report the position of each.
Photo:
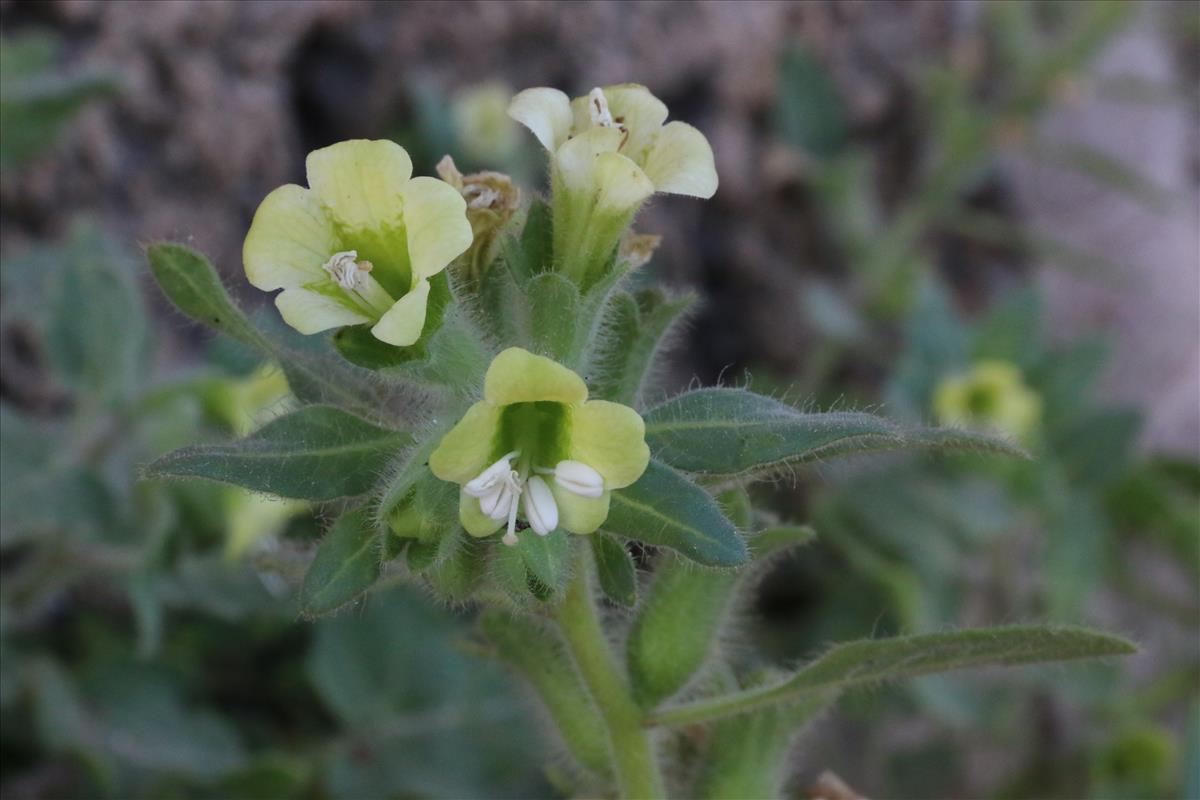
(634, 761)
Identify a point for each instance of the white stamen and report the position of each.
(491, 477)
(579, 478)
(598, 108)
(540, 509)
(509, 497)
(346, 270)
(489, 502)
(510, 538)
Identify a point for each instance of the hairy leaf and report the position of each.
(615, 569)
(98, 337)
(666, 509)
(637, 326)
(729, 432)
(345, 566)
(870, 661)
(189, 280)
(314, 453)
(546, 557)
(676, 629)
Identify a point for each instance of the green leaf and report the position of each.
(615, 569)
(433, 552)
(314, 453)
(666, 509)
(676, 629)
(746, 755)
(458, 356)
(546, 557)
(44, 492)
(417, 716)
(871, 661)
(780, 537)
(457, 576)
(36, 102)
(359, 346)
(189, 280)
(191, 283)
(135, 714)
(733, 432)
(345, 566)
(98, 337)
(635, 331)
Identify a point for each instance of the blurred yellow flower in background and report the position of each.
(991, 396)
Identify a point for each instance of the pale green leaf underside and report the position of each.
(728, 432)
(872, 661)
(315, 453)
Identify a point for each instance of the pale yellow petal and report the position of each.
(621, 186)
(545, 112)
(518, 376)
(359, 182)
(289, 240)
(576, 160)
(435, 219)
(642, 114)
(680, 161)
(611, 439)
(579, 514)
(473, 520)
(466, 450)
(401, 325)
(312, 312)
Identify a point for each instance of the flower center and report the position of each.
(346, 270)
(501, 490)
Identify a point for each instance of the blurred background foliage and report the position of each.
(870, 247)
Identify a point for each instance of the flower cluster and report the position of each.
(365, 242)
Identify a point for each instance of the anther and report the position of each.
(579, 478)
(346, 270)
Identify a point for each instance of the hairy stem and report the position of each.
(634, 761)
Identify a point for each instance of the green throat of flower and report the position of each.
(530, 449)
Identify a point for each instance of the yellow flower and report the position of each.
(485, 132)
(609, 152)
(991, 396)
(359, 245)
(536, 446)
